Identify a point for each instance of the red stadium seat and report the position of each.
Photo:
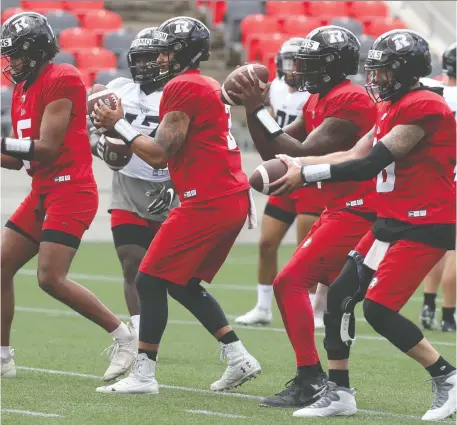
(377, 26)
(73, 5)
(289, 8)
(300, 26)
(328, 9)
(255, 24)
(268, 44)
(270, 62)
(95, 59)
(101, 21)
(364, 9)
(88, 77)
(218, 9)
(78, 38)
(7, 13)
(42, 6)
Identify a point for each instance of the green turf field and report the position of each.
(59, 362)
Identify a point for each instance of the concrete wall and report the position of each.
(15, 185)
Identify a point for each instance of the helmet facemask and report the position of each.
(143, 66)
(25, 66)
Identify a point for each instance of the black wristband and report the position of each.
(18, 148)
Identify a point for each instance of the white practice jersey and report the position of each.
(142, 112)
(450, 92)
(286, 106)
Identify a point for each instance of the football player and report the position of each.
(204, 161)
(334, 118)
(445, 270)
(280, 212)
(49, 139)
(135, 216)
(411, 154)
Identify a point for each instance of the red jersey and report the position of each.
(208, 164)
(419, 189)
(350, 102)
(74, 162)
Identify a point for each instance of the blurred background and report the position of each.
(95, 36)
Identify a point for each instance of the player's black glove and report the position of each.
(97, 143)
(163, 200)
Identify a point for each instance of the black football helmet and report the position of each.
(396, 61)
(188, 39)
(285, 59)
(326, 57)
(142, 57)
(448, 60)
(29, 37)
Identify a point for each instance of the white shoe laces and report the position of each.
(112, 350)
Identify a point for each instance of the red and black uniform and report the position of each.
(349, 215)
(206, 172)
(64, 195)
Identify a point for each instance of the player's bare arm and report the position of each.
(170, 136)
(54, 125)
(402, 138)
(293, 180)
(270, 140)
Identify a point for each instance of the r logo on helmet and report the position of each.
(401, 42)
(335, 37)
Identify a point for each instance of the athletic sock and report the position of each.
(5, 352)
(135, 319)
(264, 296)
(429, 300)
(121, 333)
(339, 377)
(448, 314)
(228, 338)
(440, 368)
(311, 371)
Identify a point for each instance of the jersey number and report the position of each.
(21, 126)
(148, 119)
(283, 119)
(231, 142)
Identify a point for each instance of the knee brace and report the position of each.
(400, 331)
(333, 344)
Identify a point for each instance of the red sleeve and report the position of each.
(179, 96)
(64, 85)
(355, 107)
(422, 112)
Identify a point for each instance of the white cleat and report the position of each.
(336, 401)
(8, 367)
(140, 381)
(241, 367)
(257, 316)
(444, 403)
(122, 354)
(319, 322)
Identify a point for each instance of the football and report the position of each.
(248, 71)
(267, 173)
(97, 92)
(116, 153)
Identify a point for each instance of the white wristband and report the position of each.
(126, 131)
(315, 173)
(268, 122)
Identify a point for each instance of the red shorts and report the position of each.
(71, 211)
(196, 238)
(400, 272)
(129, 228)
(308, 200)
(325, 248)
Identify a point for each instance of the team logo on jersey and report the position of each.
(190, 194)
(420, 213)
(23, 98)
(307, 243)
(373, 283)
(22, 112)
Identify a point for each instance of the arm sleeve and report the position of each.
(65, 86)
(180, 96)
(355, 107)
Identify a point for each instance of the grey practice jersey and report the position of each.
(450, 92)
(286, 105)
(142, 112)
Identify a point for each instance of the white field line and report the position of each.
(114, 279)
(223, 394)
(29, 413)
(54, 312)
(222, 415)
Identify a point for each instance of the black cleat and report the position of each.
(447, 326)
(298, 393)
